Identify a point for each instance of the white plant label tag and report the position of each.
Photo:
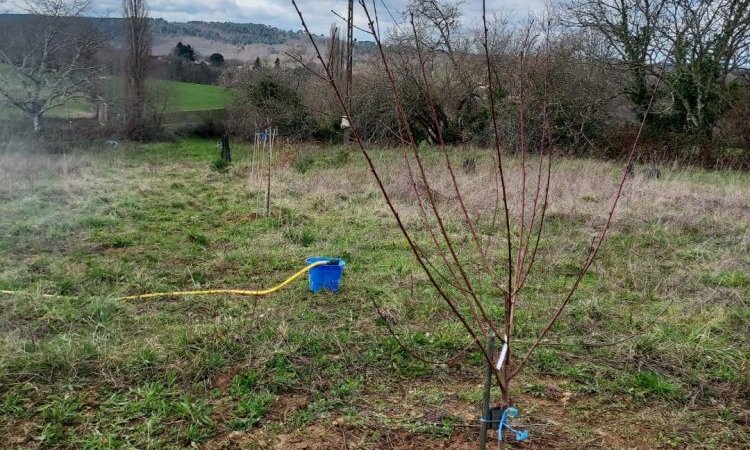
(503, 352)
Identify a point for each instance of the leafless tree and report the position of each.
(630, 29)
(48, 57)
(268, 97)
(703, 42)
(505, 256)
(709, 40)
(450, 59)
(336, 52)
(583, 96)
(138, 47)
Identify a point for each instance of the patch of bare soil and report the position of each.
(330, 436)
(558, 419)
(224, 379)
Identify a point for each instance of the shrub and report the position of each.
(264, 98)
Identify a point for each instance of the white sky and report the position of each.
(281, 14)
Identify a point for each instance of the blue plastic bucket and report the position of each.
(326, 276)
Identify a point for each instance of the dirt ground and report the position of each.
(562, 420)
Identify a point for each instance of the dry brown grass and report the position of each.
(580, 188)
(23, 173)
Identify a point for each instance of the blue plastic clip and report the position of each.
(521, 435)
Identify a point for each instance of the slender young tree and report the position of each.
(336, 52)
(457, 262)
(138, 48)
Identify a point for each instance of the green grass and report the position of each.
(91, 371)
(188, 97)
(74, 108)
(181, 97)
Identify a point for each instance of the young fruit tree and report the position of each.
(463, 245)
(48, 58)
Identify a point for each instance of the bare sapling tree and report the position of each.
(138, 48)
(48, 59)
(336, 52)
(504, 252)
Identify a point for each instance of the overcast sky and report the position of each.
(280, 13)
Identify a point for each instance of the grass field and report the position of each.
(181, 97)
(188, 97)
(297, 370)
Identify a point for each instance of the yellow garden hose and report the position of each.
(228, 291)
(30, 294)
(206, 292)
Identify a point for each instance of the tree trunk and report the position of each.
(226, 153)
(101, 111)
(138, 45)
(37, 119)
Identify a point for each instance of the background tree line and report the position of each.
(598, 64)
(55, 57)
(591, 66)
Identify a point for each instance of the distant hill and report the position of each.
(243, 41)
(237, 34)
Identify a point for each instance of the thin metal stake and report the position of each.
(270, 156)
(486, 400)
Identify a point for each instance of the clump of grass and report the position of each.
(12, 405)
(245, 383)
(734, 279)
(120, 242)
(648, 384)
(304, 237)
(312, 159)
(220, 165)
(304, 163)
(197, 413)
(251, 408)
(198, 238)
